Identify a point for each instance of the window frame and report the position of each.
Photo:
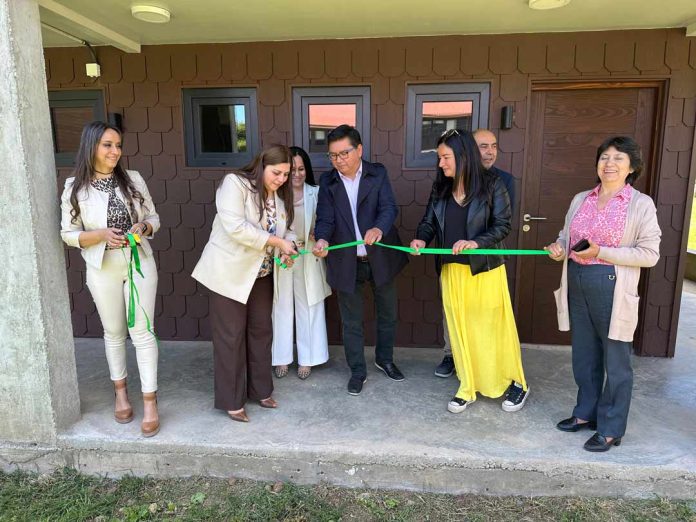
(193, 99)
(416, 94)
(303, 97)
(93, 98)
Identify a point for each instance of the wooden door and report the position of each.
(567, 124)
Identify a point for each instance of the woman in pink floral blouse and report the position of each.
(610, 232)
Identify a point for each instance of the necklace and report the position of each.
(104, 173)
(459, 199)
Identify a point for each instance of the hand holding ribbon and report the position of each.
(133, 295)
(321, 249)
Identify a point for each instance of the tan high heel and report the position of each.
(125, 415)
(150, 428)
(239, 415)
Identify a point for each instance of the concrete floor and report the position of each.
(395, 435)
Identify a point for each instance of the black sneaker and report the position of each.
(446, 367)
(457, 405)
(391, 371)
(355, 385)
(515, 397)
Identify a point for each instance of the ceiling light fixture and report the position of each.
(150, 13)
(547, 4)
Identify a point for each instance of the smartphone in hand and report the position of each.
(581, 245)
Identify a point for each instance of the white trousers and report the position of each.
(310, 321)
(110, 291)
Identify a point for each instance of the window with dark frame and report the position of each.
(221, 126)
(318, 110)
(70, 111)
(436, 108)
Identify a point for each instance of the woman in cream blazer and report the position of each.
(254, 213)
(99, 205)
(598, 297)
(302, 289)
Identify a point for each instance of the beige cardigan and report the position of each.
(639, 247)
(93, 208)
(232, 258)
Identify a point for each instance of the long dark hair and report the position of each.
(253, 172)
(309, 173)
(470, 173)
(84, 167)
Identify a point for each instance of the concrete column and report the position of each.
(38, 380)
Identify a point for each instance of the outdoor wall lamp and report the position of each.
(506, 116)
(150, 13)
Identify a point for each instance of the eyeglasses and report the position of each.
(450, 132)
(333, 156)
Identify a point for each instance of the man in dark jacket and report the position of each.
(488, 146)
(356, 203)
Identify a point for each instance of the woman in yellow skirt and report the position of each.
(469, 208)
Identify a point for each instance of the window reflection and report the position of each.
(325, 117)
(223, 128)
(442, 116)
(67, 123)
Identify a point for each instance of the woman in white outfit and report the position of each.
(302, 289)
(99, 205)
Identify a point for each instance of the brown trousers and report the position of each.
(242, 338)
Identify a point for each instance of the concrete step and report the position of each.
(394, 435)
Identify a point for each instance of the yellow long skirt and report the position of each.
(482, 330)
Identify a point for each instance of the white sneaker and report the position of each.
(457, 405)
(515, 397)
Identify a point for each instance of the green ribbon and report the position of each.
(133, 295)
(433, 251)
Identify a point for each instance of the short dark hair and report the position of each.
(627, 146)
(345, 131)
(309, 172)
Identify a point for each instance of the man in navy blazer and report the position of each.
(356, 202)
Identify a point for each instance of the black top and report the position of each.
(487, 223)
(455, 229)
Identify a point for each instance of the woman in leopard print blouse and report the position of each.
(100, 205)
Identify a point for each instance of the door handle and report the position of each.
(528, 217)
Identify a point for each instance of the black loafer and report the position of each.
(355, 385)
(573, 425)
(599, 443)
(391, 371)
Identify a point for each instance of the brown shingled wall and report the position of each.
(146, 89)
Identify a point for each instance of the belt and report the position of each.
(362, 259)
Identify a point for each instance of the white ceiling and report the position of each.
(197, 21)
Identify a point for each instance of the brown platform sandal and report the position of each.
(150, 428)
(125, 415)
(239, 416)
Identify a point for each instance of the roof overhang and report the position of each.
(109, 22)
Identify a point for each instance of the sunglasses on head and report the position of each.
(449, 133)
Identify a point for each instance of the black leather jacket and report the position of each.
(488, 223)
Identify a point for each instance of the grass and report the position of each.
(69, 496)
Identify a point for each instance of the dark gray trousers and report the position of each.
(352, 317)
(601, 366)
